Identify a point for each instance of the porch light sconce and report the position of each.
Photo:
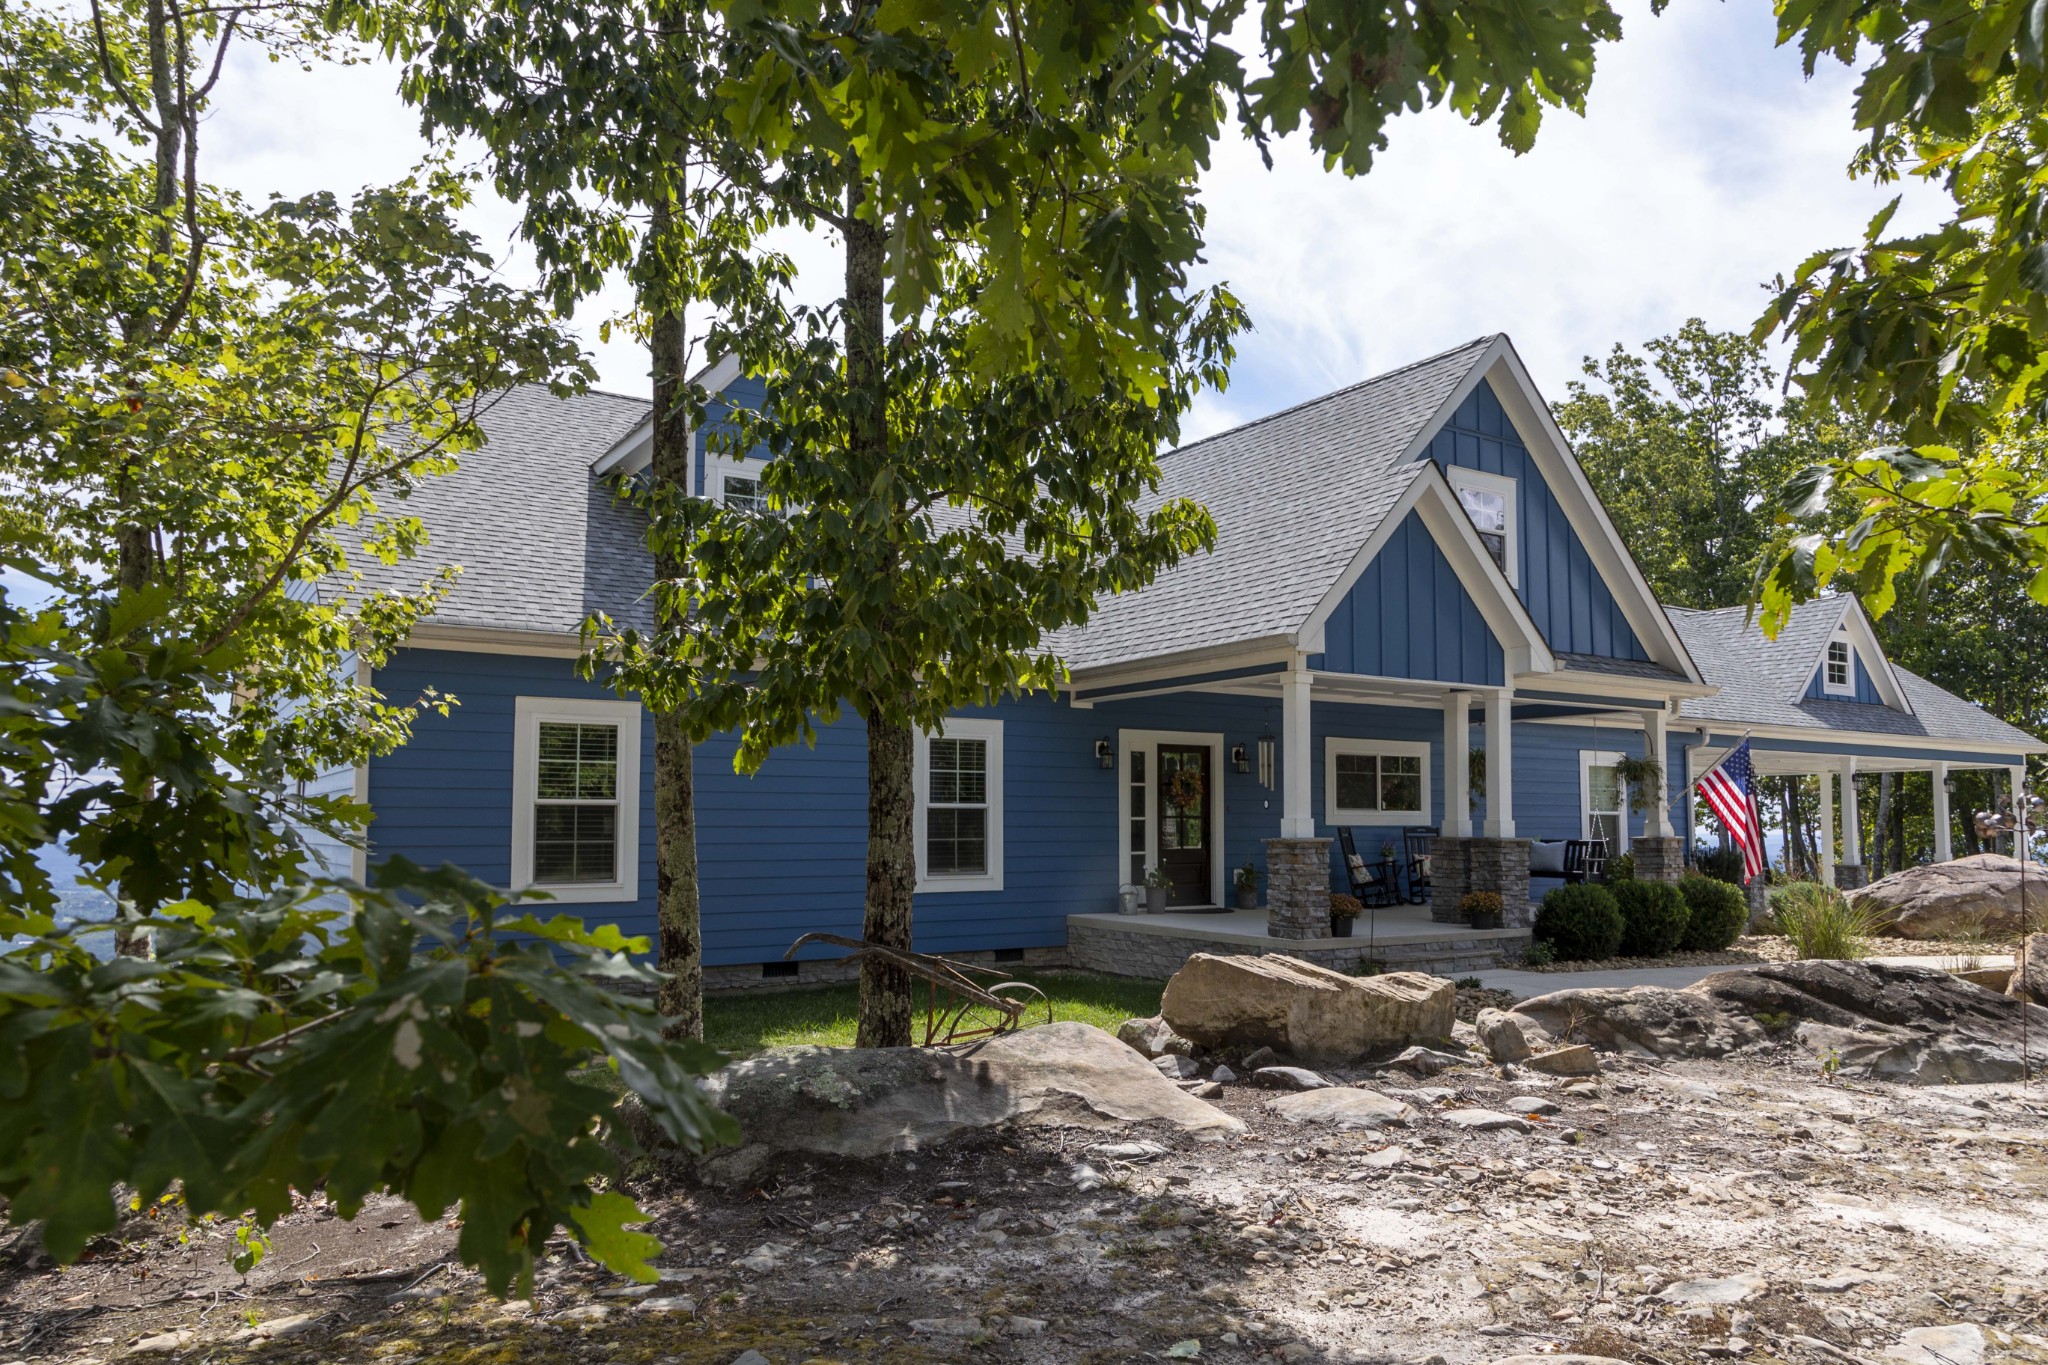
(1239, 759)
(1948, 784)
(1105, 753)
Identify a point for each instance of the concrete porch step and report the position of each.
(1404, 939)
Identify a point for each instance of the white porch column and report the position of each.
(1297, 810)
(2021, 816)
(1657, 819)
(1944, 832)
(1852, 826)
(1457, 766)
(1827, 829)
(1500, 766)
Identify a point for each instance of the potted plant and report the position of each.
(1246, 880)
(1643, 777)
(1387, 851)
(1344, 910)
(1155, 891)
(1481, 909)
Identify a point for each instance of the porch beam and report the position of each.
(1827, 829)
(1944, 832)
(1457, 823)
(1500, 765)
(1657, 819)
(1297, 817)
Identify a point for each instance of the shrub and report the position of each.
(1718, 913)
(1345, 907)
(1722, 864)
(1581, 923)
(1539, 953)
(1821, 922)
(1621, 867)
(1653, 917)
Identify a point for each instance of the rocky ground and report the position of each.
(1756, 1209)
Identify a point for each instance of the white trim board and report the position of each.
(528, 713)
(1335, 746)
(1128, 740)
(961, 727)
(634, 451)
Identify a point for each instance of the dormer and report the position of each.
(1852, 667)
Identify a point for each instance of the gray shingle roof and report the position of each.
(1294, 496)
(541, 546)
(1624, 668)
(1760, 679)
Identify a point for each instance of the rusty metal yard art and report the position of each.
(957, 1009)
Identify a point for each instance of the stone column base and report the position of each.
(1298, 888)
(1849, 876)
(1659, 859)
(1501, 866)
(1448, 881)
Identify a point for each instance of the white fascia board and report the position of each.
(1430, 496)
(495, 640)
(1236, 654)
(634, 451)
(1868, 738)
(1539, 431)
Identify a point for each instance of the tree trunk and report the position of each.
(885, 1001)
(1881, 827)
(677, 905)
(1788, 813)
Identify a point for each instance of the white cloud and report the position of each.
(1706, 164)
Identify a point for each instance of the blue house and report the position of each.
(1406, 571)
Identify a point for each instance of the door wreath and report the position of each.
(1185, 789)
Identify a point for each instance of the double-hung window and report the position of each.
(576, 798)
(1840, 676)
(1489, 500)
(1375, 782)
(959, 785)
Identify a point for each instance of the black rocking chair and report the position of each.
(1372, 884)
(1419, 839)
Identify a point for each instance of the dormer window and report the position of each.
(1489, 500)
(1839, 678)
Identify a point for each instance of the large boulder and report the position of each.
(1310, 1012)
(1914, 1024)
(865, 1102)
(1978, 895)
(2029, 979)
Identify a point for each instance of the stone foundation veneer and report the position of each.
(1658, 859)
(1849, 876)
(1457, 866)
(1758, 895)
(1298, 888)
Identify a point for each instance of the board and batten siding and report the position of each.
(1409, 616)
(743, 392)
(1570, 602)
(1866, 687)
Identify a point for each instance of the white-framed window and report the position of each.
(1489, 500)
(734, 482)
(959, 786)
(576, 798)
(1603, 800)
(1375, 782)
(1838, 676)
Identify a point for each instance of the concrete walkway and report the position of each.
(1526, 984)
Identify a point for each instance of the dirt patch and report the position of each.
(1867, 1210)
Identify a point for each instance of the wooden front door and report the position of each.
(1185, 826)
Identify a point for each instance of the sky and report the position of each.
(1706, 164)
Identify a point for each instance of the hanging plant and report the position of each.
(1642, 777)
(1185, 788)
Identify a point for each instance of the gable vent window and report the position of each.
(1489, 500)
(1839, 677)
(959, 779)
(576, 798)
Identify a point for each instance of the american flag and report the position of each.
(1728, 790)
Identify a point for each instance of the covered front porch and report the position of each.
(1835, 761)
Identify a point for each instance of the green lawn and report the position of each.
(743, 1024)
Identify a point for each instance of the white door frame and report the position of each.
(1129, 741)
(1600, 758)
